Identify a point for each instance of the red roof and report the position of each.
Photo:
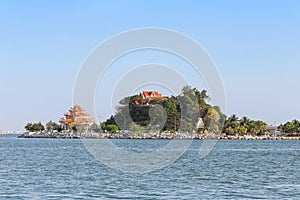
(147, 94)
(76, 114)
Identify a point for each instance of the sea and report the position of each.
(65, 169)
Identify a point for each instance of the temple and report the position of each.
(148, 96)
(76, 115)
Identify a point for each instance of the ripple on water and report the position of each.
(64, 169)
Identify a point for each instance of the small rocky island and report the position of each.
(150, 115)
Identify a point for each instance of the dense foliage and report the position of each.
(109, 125)
(244, 126)
(53, 126)
(35, 127)
(291, 128)
(180, 113)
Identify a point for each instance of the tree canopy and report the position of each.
(291, 128)
(235, 126)
(179, 113)
(34, 127)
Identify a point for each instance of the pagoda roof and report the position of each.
(76, 114)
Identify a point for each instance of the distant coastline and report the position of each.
(11, 132)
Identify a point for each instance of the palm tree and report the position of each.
(245, 121)
(233, 118)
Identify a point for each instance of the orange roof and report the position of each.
(76, 114)
(147, 94)
(83, 120)
(66, 120)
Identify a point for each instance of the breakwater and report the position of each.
(150, 135)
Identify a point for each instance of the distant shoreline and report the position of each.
(150, 136)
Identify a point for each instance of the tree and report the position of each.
(173, 115)
(212, 120)
(257, 127)
(29, 127)
(245, 121)
(233, 118)
(53, 126)
(95, 128)
(137, 128)
(229, 130)
(201, 96)
(243, 126)
(231, 125)
(292, 127)
(242, 129)
(78, 127)
(111, 120)
(182, 111)
(170, 106)
(35, 127)
(109, 124)
(38, 127)
(73, 127)
(110, 128)
(222, 117)
(190, 109)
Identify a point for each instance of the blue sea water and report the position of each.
(64, 169)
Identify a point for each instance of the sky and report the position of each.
(255, 45)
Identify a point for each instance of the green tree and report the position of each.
(190, 109)
(201, 96)
(111, 128)
(38, 127)
(73, 127)
(245, 121)
(53, 126)
(222, 117)
(291, 128)
(111, 121)
(183, 111)
(241, 130)
(29, 127)
(257, 127)
(231, 125)
(95, 128)
(137, 128)
(233, 118)
(212, 120)
(173, 116)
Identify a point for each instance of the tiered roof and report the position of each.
(76, 115)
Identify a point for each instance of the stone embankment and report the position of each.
(154, 135)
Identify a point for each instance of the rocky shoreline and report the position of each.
(154, 135)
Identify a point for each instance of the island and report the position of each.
(150, 115)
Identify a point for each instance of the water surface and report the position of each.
(64, 169)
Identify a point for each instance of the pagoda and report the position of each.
(76, 115)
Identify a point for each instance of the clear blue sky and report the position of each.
(254, 43)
